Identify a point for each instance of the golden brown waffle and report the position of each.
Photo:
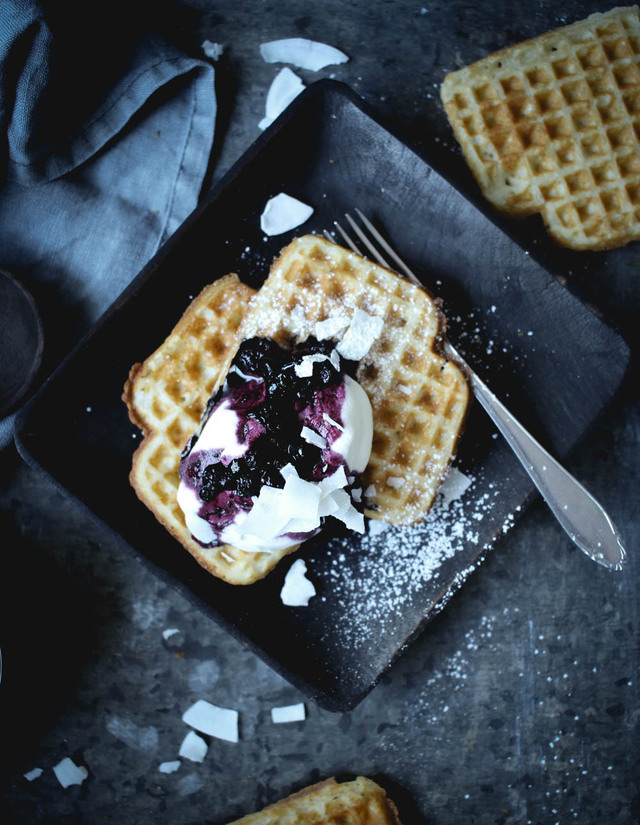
(552, 126)
(166, 396)
(419, 399)
(359, 802)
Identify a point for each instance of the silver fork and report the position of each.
(584, 520)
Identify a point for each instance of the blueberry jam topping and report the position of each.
(274, 395)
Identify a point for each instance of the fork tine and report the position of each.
(347, 238)
(383, 243)
(371, 248)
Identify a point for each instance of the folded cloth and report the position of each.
(106, 131)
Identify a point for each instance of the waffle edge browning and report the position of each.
(166, 396)
(419, 399)
(358, 802)
(552, 126)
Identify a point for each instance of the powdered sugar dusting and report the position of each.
(371, 587)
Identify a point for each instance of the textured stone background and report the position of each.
(520, 702)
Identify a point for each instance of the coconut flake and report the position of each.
(331, 422)
(213, 51)
(305, 368)
(288, 713)
(212, 720)
(455, 484)
(360, 336)
(33, 774)
(297, 589)
(286, 86)
(169, 632)
(331, 327)
(169, 767)
(346, 512)
(303, 53)
(312, 437)
(282, 213)
(193, 747)
(301, 497)
(68, 773)
(396, 482)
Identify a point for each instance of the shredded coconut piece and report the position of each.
(288, 713)
(169, 767)
(455, 484)
(286, 86)
(360, 336)
(213, 51)
(303, 53)
(297, 589)
(68, 773)
(396, 482)
(283, 213)
(193, 747)
(212, 720)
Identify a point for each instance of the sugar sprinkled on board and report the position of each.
(392, 567)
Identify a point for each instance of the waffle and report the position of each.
(166, 396)
(551, 126)
(359, 802)
(419, 399)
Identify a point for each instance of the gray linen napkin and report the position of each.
(106, 131)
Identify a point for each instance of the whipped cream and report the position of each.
(280, 451)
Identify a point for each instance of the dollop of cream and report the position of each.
(283, 517)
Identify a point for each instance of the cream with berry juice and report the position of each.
(280, 451)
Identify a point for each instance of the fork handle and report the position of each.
(584, 520)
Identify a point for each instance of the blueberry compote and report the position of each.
(278, 409)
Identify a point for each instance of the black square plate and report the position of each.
(548, 356)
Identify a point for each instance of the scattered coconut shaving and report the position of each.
(68, 773)
(303, 53)
(193, 747)
(213, 51)
(35, 773)
(297, 589)
(360, 335)
(212, 720)
(288, 713)
(169, 767)
(285, 87)
(454, 485)
(283, 213)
